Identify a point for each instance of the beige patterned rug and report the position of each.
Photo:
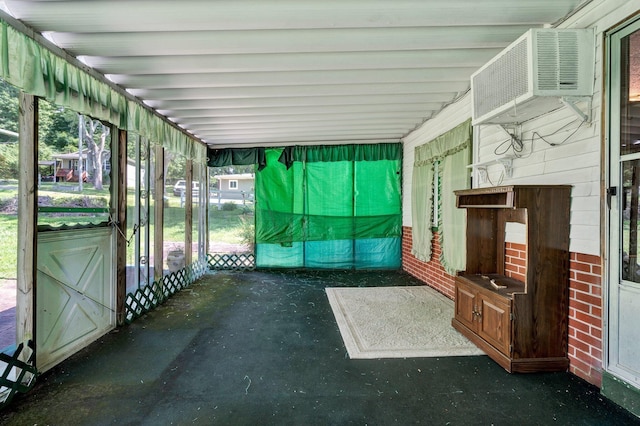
(397, 322)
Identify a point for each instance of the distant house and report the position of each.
(66, 165)
(236, 186)
(236, 183)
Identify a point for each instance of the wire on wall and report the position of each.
(516, 145)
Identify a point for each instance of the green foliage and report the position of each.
(247, 230)
(58, 128)
(229, 207)
(9, 248)
(176, 168)
(8, 112)
(9, 164)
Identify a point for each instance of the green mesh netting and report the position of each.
(338, 214)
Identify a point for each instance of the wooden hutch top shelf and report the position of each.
(510, 196)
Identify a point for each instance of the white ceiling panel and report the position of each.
(239, 73)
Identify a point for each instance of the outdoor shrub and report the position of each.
(247, 231)
(229, 207)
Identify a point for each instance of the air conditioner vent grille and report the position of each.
(502, 81)
(557, 60)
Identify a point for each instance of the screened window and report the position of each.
(77, 192)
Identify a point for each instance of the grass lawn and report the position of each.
(8, 246)
(224, 225)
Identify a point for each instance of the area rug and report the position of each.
(397, 322)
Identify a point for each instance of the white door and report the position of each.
(623, 333)
(75, 301)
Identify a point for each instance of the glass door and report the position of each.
(623, 333)
(139, 214)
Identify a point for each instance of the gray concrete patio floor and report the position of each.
(263, 348)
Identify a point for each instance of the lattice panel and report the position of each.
(149, 297)
(18, 376)
(234, 262)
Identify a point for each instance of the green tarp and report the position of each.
(332, 207)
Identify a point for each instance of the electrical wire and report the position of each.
(517, 146)
(513, 144)
(542, 138)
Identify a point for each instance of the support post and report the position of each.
(27, 221)
(188, 214)
(121, 223)
(158, 211)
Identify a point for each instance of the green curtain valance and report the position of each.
(332, 153)
(37, 71)
(236, 157)
(449, 143)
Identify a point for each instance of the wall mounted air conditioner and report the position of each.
(533, 75)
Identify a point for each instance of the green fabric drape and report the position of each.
(455, 175)
(236, 157)
(330, 212)
(446, 144)
(452, 150)
(421, 209)
(331, 153)
(37, 71)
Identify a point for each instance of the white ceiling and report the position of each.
(239, 73)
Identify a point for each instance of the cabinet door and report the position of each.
(466, 305)
(495, 322)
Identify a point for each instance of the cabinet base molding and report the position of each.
(523, 365)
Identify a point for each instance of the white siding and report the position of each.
(575, 160)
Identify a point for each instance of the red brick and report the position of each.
(580, 307)
(579, 286)
(584, 317)
(579, 364)
(596, 353)
(578, 266)
(587, 278)
(588, 258)
(588, 339)
(578, 325)
(588, 298)
(580, 346)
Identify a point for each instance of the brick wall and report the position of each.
(585, 304)
(585, 317)
(515, 261)
(432, 273)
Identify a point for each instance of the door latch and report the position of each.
(612, 191)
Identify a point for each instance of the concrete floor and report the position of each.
(263, 348)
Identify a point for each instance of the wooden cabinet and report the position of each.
(522, 325)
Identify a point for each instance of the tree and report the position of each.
(61, 131)
(95, 135)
